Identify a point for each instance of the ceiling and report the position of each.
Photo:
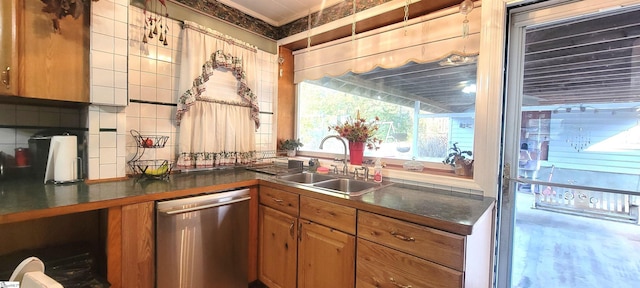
(591, 62)
(584, 61)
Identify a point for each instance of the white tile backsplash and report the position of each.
(101, 42)
(120, 63)
(148, 79)
(120, 13)
(121, 98)
(148, 110)
(102, 25)
(108, 140)
(103, 94)
(120, 46)
(134, 77)
(94, 139)
(164, 82)
(108, 170)
(102, 77)
(120, 30)
(120, 80)
(165, 96)
(103, 8)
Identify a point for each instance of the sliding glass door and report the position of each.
(572, 145)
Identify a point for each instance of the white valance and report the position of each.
(423, 40)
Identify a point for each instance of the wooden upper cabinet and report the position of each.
(44, 64)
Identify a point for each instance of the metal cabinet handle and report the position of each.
(393, 281)
(402, 237)
(277, 200)
(6, 77)
(291, 228)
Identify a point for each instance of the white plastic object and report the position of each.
(30, 274)
(38, 280)
(31, 264)
(377, 171)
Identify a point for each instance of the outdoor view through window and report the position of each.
(423, 109)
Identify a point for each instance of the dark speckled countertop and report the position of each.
(26, 199)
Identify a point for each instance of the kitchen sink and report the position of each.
(305, 178)
(349, 186)
(334, 184)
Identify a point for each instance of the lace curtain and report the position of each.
(217, 111)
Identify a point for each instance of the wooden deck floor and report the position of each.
(555, 250)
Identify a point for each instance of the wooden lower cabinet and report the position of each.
(131, 245)
(301, 252)
(277, 249)
(381, 267)
(326, 257)
(334, 245)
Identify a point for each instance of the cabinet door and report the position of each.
(138, 247)
(326, 257)
(8, 46)
(278, 248)
(52, 65)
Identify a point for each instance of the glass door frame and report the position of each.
(521, 18)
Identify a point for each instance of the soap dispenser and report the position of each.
(377, 171)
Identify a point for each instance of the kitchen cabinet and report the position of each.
(38, 62)
(318, 243)
(397, 253)
(277, 238)
(130, 245)
(323, 249)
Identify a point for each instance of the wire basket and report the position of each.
(149, 141)
(152, 168)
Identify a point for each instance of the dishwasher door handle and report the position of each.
(185, 210)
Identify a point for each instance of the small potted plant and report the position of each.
(461, 164)
(291, 146)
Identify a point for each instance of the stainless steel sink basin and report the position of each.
(334, 184)
(305, 178)
(349, 186)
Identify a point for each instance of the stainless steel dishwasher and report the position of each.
(202, 241)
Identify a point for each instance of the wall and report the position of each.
(124, 71)
(106, 117)
(153, 94)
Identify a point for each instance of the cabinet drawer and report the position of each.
(329, 214)
(280, 200)
(379, 266)
(427, 243)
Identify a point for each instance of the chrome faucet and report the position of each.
(345, 169)
(365, 173)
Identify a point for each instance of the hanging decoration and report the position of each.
(157, 26)
(580, 139)
(406, 15)
(458, 58)
(353, 24)
(63, 8)
(465, 8)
